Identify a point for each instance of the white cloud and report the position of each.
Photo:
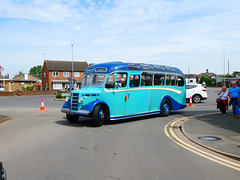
(181, 33)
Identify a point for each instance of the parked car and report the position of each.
(2, 88)
(197, 92)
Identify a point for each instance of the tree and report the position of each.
(18, 74)
(236, 73)
(37, 70)
(228, 76)
(206, 80)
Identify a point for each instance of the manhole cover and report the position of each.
(206, 119)
(210, 138)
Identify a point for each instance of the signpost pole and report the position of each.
(72, 63)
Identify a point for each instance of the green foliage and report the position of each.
(18, 74)
(28, 87)
(37, 70)
(236, 73)
(59, 95)
(207, 80)
(228, 76)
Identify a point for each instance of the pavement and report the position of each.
(226, 129)
(4, 118)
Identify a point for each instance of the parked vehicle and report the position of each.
(197, 92)
(112, 91)
(2, 88)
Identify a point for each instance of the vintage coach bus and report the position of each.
(112, 91)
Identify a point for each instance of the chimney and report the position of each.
(26, 76)
(207, 71)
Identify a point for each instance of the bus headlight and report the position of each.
(80, 100)
(67, 99)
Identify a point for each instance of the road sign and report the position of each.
(71, 84)
(65, 94)
(70, 79)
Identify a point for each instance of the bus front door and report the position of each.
(138, 96)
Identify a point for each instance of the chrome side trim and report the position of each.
(148, 88)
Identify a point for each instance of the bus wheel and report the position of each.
(72, 118)
(166, 108)
(99, 115)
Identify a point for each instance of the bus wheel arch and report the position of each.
(166, 107)
(100, 114)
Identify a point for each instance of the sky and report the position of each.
(188, 34)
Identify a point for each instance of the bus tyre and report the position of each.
(72, 118)
(99, 115)
(166, 108)
(197, 98)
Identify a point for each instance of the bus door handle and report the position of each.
(128, 95)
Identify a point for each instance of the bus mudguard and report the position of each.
(175, 105)
(90, 106)
(66, 106)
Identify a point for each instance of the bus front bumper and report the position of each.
(79, 112)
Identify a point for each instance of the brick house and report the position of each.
(18, 82)
(56, 74)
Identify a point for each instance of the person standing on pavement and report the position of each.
(234, 94)
(223, 100)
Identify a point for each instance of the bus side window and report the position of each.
(134, 81)
(146, 79)
(159, 79)
(110, 81)
(122, 80)
(180, 81)
(170, 80)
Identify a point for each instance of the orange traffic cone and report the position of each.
(190, 102)
(42, 108)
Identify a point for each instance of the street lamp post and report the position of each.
(72, 64)
(224, 66)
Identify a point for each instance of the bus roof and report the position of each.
(110, 67)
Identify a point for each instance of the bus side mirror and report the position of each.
(116, 86)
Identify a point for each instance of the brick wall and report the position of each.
(45, 79)
(24, 93)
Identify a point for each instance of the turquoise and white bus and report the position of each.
(112, 91)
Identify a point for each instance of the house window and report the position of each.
(55, 74)
(57, 86)
(44, 75)
(76, 74)
(66, 74)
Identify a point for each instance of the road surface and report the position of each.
(43, 145)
